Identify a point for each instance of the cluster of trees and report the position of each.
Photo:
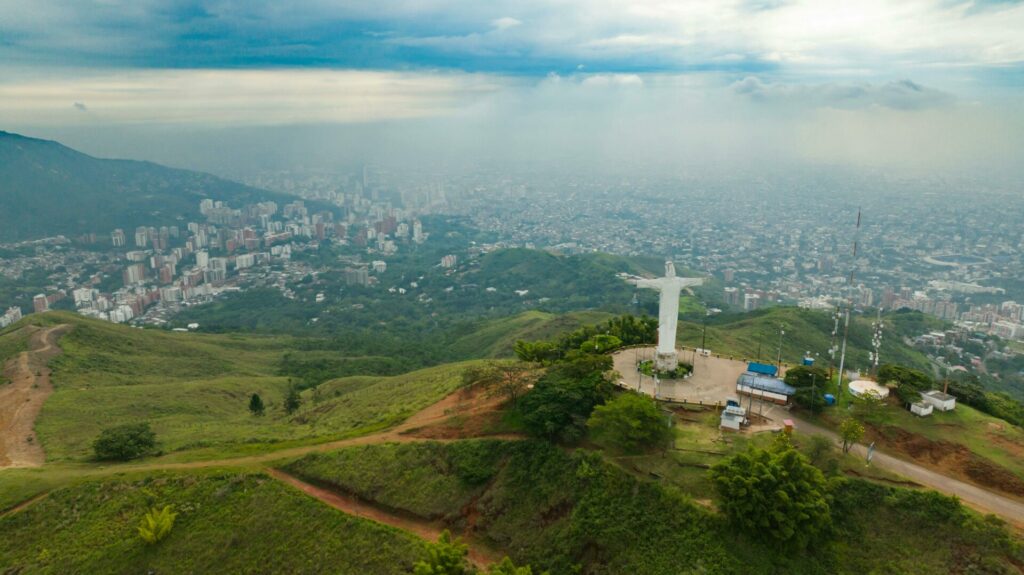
(809, 382)
(774, 494)
(602, 338)
(907, 383)
(970, 391)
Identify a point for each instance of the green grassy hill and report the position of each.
(50, 189)
(194, 390)
(573, 512)
(228, 522)
(743, 335)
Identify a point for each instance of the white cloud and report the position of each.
(238, 97)
(505, 23)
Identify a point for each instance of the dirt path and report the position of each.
(430, 531)
(23, 398)
(406, 432)
(973, 496)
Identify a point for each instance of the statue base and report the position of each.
(666, 361)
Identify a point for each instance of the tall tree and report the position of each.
(256, 404)
(851, 431)
(293, 400)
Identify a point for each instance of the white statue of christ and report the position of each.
(668, 313)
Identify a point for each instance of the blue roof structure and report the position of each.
(764, 383)
(762, 368)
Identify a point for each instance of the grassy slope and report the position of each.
(12, 342)
(496, 338)
(194, 390)
(806, 330)
(554, 510)
(227, 523)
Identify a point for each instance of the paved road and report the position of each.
(976, 497)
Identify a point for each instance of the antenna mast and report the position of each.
(849, 304)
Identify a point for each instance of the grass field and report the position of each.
(194, 390)
(227, 522)
(573, 511)
(496, 338)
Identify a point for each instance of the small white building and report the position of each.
(939, 400)
(733, 418)
(921, 409)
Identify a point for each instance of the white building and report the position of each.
(939, 400)
(921, 409)
(379, 266)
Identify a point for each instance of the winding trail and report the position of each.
(23, 398)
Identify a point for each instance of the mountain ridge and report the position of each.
(49, 189)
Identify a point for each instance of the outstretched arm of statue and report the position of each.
(656, 283)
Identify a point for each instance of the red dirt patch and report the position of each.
(472, 412)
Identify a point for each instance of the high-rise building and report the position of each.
(751, 301)
(117, 238)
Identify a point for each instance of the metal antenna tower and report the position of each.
(876, 342)
(849, 305)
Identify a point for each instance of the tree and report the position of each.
(157, 524)
(630, 423)
(560, 403)
(537, 351)
(507, 567)
(124, 442)
(293, 400)
(851, 431)
(773, 494)
(446, 557)
(601, 343)
(804, 376)
(256, 404)
(509, 378)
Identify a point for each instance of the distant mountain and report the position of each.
(48, 189)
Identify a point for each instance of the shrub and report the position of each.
(157, 524)
(124, 442)
(446, 557)
(630, 423)
(773, 494)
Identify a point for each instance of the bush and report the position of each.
(630, 423)
(157, 524)
(446, 557)
(773, 494)
(124, 442)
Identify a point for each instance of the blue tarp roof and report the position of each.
(763, 383)
(762, 368)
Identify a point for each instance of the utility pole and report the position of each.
(814, 393)
(782, 332)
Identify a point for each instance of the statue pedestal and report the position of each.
(666, 361)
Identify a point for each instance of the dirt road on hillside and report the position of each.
(22, 398)
(428, 530)
(981, 499)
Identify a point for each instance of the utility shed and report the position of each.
(921, 408)
(733, 418)
(939, 400)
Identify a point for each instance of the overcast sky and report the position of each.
(895, 84)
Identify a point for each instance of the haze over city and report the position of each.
(444, 287)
